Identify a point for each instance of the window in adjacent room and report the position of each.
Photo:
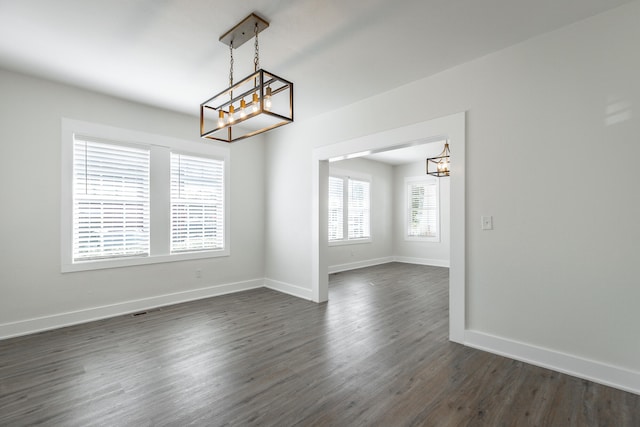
(349, 209)
(423, 209)
(336, 208)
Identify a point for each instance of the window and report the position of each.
(156, 200)
(110, 200)
(349, 209)
(336, 208)
(423, 210)
(358, 209)
(197, 203)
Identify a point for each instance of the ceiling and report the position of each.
(412, 154)
(166, 52)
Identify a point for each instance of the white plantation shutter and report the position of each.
(197, 203)
(423, 209)
(110, 201)
(358, 216)
(349, 209)
(336, 205)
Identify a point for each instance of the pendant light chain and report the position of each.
(256, 58)
(231, 64)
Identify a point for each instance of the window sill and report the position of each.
(132, 261)
(349, 242)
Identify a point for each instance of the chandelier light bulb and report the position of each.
(267, 99)
(231, 111)
(220, 118)
(443, 165)
(243, 112)
(256, 102)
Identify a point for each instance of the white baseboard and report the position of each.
(359, 264)
(591, 370)
(288, 288)
(39, 324)
(422, 261)
(377, 261)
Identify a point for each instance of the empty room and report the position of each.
(320, 213)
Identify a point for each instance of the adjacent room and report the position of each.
(383, 207)
(423, 213)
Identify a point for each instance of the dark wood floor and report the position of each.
(376, 354)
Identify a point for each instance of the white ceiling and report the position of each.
(166, 52)
(402, 156)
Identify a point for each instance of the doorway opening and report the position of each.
(451, 128)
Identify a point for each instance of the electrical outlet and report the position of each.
(198, 274)
(487, 222)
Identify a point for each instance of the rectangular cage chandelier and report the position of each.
(259, 102)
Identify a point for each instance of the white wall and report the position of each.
(380, 248)
(428, 253)
(31, 285)
(560, 269)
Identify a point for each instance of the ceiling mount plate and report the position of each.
(243, 31)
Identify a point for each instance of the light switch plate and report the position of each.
(487, 222)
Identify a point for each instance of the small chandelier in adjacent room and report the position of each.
(257, 103)
(440, 166)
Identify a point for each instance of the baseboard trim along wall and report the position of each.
(288, 288)
(40, 324)
(423, 261)
(377, 261)
(359, 264)
(598, 372)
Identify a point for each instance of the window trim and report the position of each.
(345, 175)
(413, 180)
(161, 147)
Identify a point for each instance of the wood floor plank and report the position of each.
(377, 354)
